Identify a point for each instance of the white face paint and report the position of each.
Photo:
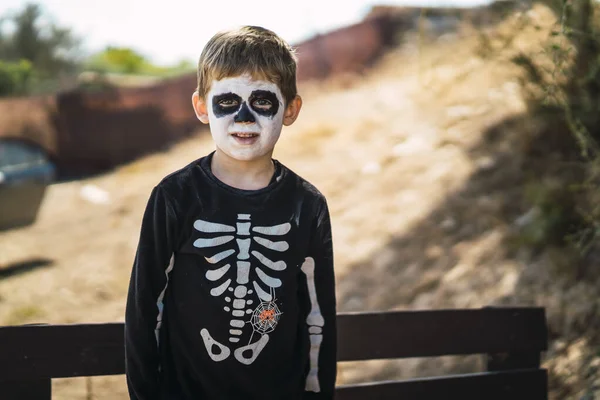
(245, 116)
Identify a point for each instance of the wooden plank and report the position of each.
(403, 334)
(61, 351)
(98, 349)
(513, 385)
(38, 389)
(515, 360)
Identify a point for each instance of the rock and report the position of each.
(414, 144)
(448, 224)
(527, 218)
(424, 301)
(485, 163)
(354, 303)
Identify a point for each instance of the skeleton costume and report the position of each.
(232, 294)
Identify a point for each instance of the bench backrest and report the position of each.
(512, 338)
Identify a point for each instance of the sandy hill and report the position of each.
(422, 163)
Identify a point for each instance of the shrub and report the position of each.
(15, 77)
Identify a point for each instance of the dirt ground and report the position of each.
(421, 161)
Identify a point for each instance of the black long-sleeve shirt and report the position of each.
(232, 293)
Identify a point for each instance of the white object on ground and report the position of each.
(94, 194)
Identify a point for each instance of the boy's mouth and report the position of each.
(245, 137)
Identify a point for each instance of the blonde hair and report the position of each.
(249, 49)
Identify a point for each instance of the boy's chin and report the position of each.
(248, 155)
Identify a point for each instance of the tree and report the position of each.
(118, 59)
(49, 48)
(571, 93)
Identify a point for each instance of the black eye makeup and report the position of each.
(225, 104)
(264, 102)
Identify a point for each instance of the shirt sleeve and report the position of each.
(149, 277)
(321, 318)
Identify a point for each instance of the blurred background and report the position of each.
(456, 142)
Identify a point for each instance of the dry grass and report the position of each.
(421, 204)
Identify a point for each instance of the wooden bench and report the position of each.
(511, 339)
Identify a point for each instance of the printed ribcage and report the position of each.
(238, 240)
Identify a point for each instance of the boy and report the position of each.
(232, 293)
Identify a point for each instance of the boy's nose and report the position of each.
(244, 115)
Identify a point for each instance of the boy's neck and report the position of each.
(246, 175)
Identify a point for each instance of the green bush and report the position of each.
(15, 77)
(117, 59)
(123, 60)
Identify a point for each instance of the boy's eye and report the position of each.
(262, 104)
(228, 103)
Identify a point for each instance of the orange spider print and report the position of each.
(267, 315)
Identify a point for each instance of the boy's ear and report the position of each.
(200, 108)
(292, 110)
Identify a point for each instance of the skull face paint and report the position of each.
(245, 116)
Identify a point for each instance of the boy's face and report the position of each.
(245, 116)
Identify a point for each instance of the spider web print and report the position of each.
(265, 317)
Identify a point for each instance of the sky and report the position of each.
(173, 30)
